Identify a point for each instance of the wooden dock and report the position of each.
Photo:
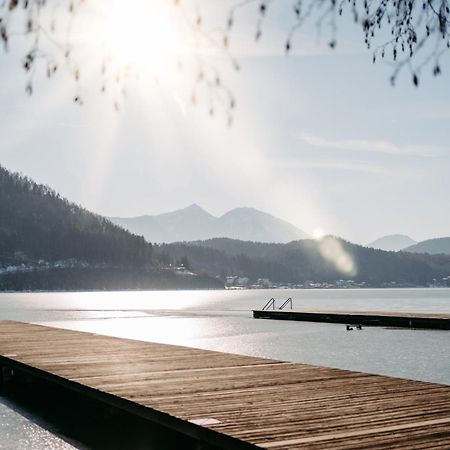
(232, 401)
(371, 318)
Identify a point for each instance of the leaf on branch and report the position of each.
(287, 46)
(4, 36)
(29, 88)
(28, 62)
(13, 4)
(230, 22)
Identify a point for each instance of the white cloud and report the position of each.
(367, 146)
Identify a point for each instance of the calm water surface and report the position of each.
(221, 320)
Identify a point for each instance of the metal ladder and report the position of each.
(287, 302)
(271, 304)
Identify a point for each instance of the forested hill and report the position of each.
(37, 224)
(432, 246)
(326, 260)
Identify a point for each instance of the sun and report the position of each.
(318, 233)
(142, 34)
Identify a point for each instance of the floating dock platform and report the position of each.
(400, 319)
(227, 401)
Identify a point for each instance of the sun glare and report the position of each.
(143, 35)
(318, 233)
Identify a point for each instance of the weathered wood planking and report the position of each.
(253, 401)
(375, 318)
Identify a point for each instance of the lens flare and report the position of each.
(318, 233)
(333, 251)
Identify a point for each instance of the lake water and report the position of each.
(222, 320)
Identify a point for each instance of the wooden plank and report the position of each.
(235, 401)
(365, 432)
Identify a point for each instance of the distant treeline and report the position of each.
(102, 280)
(36, 223)
(304, 260)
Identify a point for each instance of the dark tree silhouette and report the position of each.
(36, 223)
(410, 34)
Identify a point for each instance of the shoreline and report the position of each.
(44, 291)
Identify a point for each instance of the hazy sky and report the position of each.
(320, 139)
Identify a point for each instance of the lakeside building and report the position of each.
(181, 271)
(240, 282)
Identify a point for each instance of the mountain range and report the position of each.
(248, 224)
(47, 242)
(194, 223)
(401, 242)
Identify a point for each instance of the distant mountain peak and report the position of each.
(192, 210)
(392, 242)
(194, 207)
(245, 210)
